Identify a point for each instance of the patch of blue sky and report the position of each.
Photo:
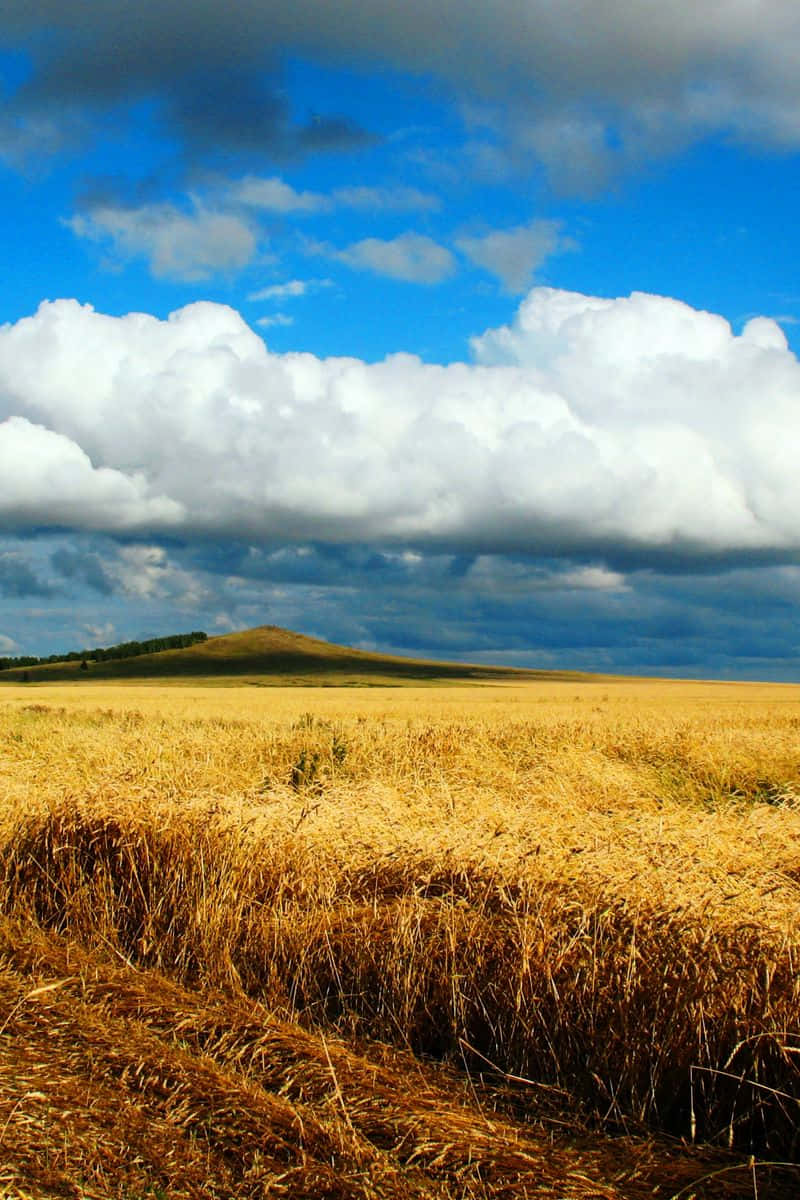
(712, 226)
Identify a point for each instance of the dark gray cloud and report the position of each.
(575, 82)
(217, 94)
(19, 578)
(84, 567)
(513, 45)
(230, 112)
(520, 610)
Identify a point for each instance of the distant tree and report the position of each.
(177, 641)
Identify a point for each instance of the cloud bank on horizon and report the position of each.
(635, 428)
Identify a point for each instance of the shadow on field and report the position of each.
(194, 979)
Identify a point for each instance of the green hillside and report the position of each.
(269, 654)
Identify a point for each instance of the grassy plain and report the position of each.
(533, 940)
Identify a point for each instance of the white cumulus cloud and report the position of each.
(275, 195)
(281, 319)
(513, 255)
(412, 257)
(281, 291)
(46, 479)
(145, 573)
(179, 245)
(289, 290)
(386, 199)
(586, 426)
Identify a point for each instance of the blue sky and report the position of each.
(483, 335)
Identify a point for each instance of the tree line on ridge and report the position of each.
(176, 641)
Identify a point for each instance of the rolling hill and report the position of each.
(269, 654)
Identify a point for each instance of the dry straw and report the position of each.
(582, 903)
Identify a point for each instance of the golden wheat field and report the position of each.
(534, 940)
